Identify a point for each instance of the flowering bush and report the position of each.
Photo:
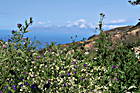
(25, 69)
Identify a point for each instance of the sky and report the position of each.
(62, 12)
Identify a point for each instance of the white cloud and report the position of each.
(117, 21)
(76, 23)
(82, 26)
(112, 26)
(82, 23)
(41, 23)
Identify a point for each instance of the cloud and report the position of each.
(76, 23)
(112, 26)
(41, 23)
(119, 21)
(115, 23)
(82, 23)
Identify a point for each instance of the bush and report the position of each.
(25, 69)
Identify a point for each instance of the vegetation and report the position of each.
(136, 2)
(105, 69)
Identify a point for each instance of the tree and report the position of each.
(136, 2)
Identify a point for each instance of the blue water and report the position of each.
(61, 36)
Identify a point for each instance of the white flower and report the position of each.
(99, 78)
(70, 52)
(110, 84)
(95, 90)
(99, 91)
(33, 62)
(6, 43)
(35, 67)
(20, 83)
(86, 53)
(131, 87)
(53, 52)
(42, 81)
(21, 89)
(34, 54)
(74, 60)
(46, 66)
(105, 87)
(41, 65)
(95, 58)
(31, 69)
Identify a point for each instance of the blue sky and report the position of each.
(61, 12)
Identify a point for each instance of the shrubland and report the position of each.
(106, 68)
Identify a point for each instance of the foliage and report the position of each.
(123, 67)
(136, 2)
(67, 70)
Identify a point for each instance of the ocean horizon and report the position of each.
(59, 36)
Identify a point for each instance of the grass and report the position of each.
(108, 68)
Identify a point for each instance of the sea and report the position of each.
(47, 36)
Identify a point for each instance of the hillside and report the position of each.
(131, 33)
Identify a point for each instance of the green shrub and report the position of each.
(121, 62)
(25, 69)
